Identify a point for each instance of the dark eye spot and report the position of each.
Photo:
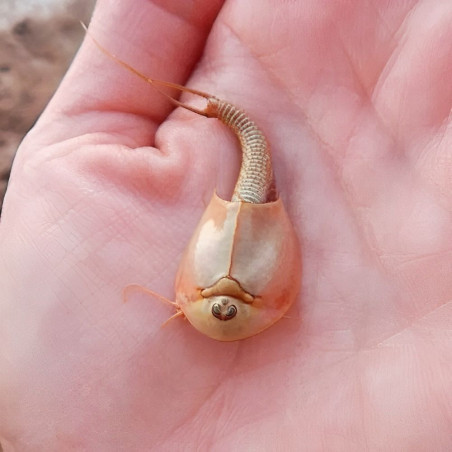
(216, 311)
(231, 312)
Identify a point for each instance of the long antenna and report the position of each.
(152, 81)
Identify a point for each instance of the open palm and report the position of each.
(355, 99)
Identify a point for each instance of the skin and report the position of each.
(355, 100)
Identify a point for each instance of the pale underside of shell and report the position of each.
(243, 255)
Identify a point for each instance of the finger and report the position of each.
(414, 95)
(161, 39)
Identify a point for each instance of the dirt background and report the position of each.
(38, 40)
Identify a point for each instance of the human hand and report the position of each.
(355, 100)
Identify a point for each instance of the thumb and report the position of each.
(161, 39)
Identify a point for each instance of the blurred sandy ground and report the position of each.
(38, 39)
